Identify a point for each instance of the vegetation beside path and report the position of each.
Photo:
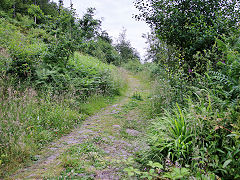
(57, 69)
(101, 147)
(54, 72)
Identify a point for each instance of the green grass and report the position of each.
(89, 62)
(29, 122)
(84, 158)
(95, 103)
(52, 101)
(30, 119)
(96, 74)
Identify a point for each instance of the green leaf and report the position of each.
(157, 165)
(227, 162)
(130, 173)
(150, 177)
(151, 171)
(137, 171)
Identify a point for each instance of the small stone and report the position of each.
(114, 112)
(132, 132)
(117, 126)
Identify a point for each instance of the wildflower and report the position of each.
(190, 70)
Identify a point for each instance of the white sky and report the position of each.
(116, 14)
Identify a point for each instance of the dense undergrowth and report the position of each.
(195, 126)
(46, 87)
(49, 83)
(31, 116)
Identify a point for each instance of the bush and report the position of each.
(196, 136)
(133, 65)
(102, 50)
(83, 76)
(202, 132)
(100, 75)
(26, 53)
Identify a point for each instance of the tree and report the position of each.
(5, 5)
(158, 51)
(126, 51)
(48, 8)
(20, 6)
(105, 36)
(90, 27)
(190, 25)
(36, 12)
(65, 31)
(60, 3)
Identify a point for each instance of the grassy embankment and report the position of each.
(38, 109)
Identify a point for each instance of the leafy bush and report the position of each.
(24, 21)
(26, 53)
(202, 132)
(133, 65)
(102, 50)
(155, 170)
(197, 137)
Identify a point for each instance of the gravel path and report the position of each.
(109, 130)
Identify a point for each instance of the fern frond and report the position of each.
(221, 78)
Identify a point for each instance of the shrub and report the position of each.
(26, 53)
(102, 50)
(202, 132)
(197, 137)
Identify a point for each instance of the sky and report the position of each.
(116, 14)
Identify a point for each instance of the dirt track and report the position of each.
(112, 131)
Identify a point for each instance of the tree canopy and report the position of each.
(125, 48)
(190, 25)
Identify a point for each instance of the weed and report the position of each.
(98, 140)
(156, 170)
(137, 96)
(81, 158)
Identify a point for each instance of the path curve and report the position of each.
(106, 130)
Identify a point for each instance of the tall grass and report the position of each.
(199, 133)
(32, 116)
(29, 120)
